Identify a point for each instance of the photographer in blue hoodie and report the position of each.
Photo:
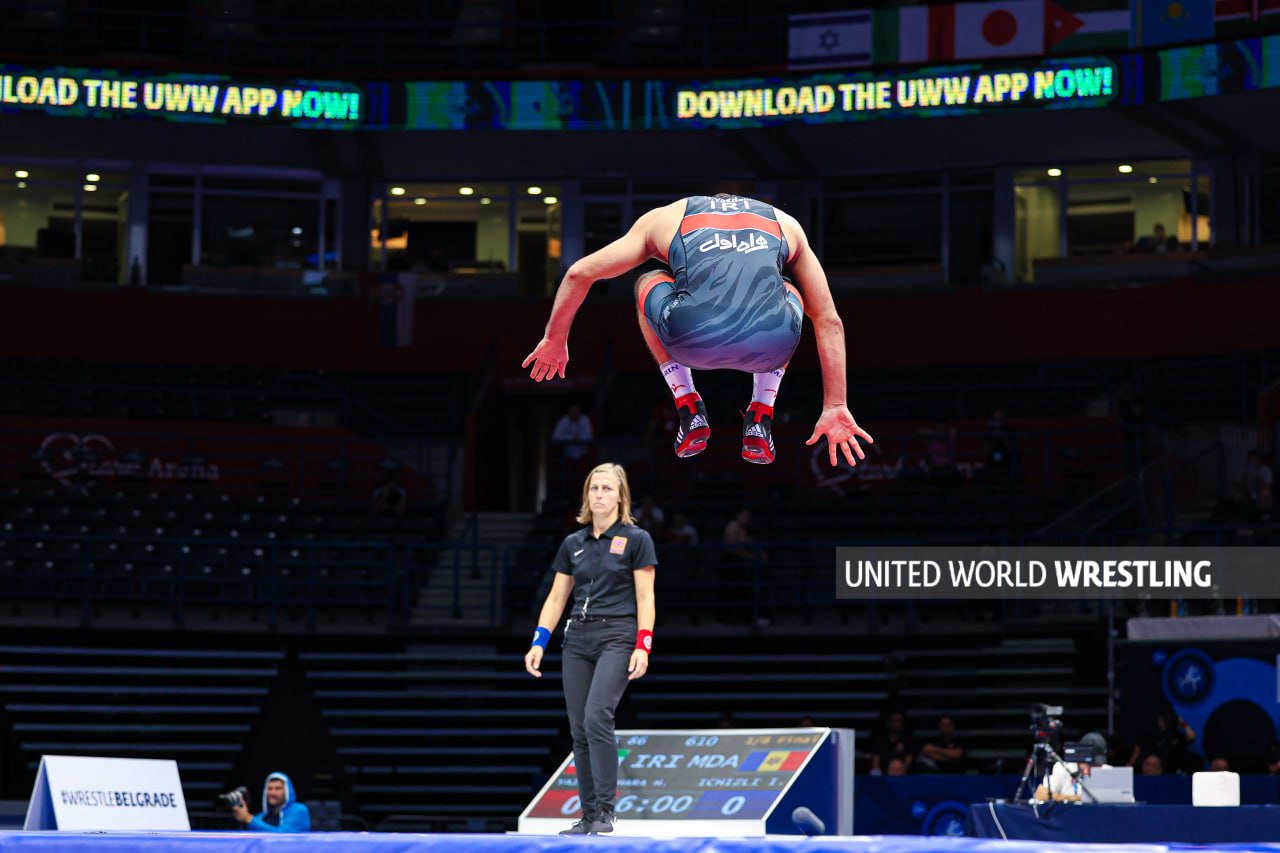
(281, 811)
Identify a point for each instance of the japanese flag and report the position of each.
(1013, 28)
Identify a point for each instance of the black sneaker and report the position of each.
(603, 822)
(757, 434)
(695, 429)
(582, 827)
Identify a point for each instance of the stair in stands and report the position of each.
(476, 573)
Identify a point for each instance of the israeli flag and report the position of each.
(830, 40)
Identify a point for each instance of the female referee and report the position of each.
(608, 566)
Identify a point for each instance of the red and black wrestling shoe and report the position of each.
(695, 429)
(757, 434)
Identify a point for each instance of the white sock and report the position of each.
(678, 378)
(764, 386)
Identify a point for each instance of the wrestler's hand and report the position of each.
(548, 359)
(533, 661)
(639, 664)
(842, 431)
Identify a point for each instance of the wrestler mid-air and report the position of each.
(726, 301)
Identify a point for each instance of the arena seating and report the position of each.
(453, 735)
(195, 555)
(169, 700)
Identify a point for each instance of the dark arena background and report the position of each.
(277, 495)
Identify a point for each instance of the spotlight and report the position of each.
(1055, 172)
(1124, 169)
(466, 191)
(535, 190)
(89, 188)
(22, 173)
(93, 177)
(397, 190)
(550, 199)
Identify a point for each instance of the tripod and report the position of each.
(1039, 764)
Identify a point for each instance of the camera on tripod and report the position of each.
(1046, 721)
(233, 799)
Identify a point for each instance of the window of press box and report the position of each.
(64, 224)
(1138, 209)
(507, 232)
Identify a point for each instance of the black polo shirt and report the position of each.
(602, 568)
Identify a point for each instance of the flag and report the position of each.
(1011, 28)
(775, 761)
(926, 33)
(840, 39)
(1157, 22)
(1235, 10)
(1235, 18)
(1085, 31)
(1242, 18)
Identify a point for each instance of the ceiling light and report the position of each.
(22, 185)
(1055, 172)
(419, 201)
(297, 230)
(535, 190)
(1153, 180)
(22, 173)
(466, 191)
(397, 190)
(93, 177)
(90, 188)
(550, 200)
(486, 200)
(1125, 169)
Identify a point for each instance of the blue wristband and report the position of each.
(541, 636)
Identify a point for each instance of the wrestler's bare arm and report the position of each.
(836, 422)
(647, 238)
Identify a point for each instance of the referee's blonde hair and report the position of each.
(624, 493)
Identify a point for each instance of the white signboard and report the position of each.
(77, 793)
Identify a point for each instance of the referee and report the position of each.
(608, 567)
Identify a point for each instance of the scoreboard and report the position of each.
(714, 782)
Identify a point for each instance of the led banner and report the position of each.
(951, 91)
(179, 97)
(666, 104)
(1201, 70)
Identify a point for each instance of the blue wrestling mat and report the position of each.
(348, 842)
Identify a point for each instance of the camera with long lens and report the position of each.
(1046, 721)
(233, 799)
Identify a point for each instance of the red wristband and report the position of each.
(644, 641)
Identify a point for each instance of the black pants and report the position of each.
(596, 656)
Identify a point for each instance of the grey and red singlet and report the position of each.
(726, 303)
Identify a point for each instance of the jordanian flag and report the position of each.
(1088, 26)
